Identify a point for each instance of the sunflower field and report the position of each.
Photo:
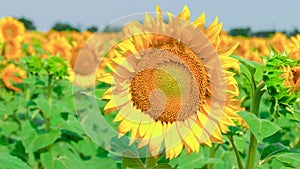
(167, 92)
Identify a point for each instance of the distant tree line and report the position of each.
(64, 26)
(246, 32)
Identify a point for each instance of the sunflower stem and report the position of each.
(237, 154)
(49, 94)
(27, 97)
(212, 154)
(257, 92)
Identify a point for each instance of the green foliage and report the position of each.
(35, 64)
(59, 26)
(57, 67)
(29, 25)
(92, 29)
(39, 127)
(12, 162)
(282, 97)
(261, 128)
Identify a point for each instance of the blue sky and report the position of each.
(258, 14)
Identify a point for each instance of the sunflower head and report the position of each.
(59, 46)
(86, 57)
(13, 50)
(170, 83)
(12, 74)
(11, 28)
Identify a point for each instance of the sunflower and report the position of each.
(34, 41)
(59, 46)
(86, 57)
(13, 49)
(10, 74)
(171, 85)
(11, 28)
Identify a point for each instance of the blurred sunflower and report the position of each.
(170, 83)
(10, 28)
(86, 57)
(13, 49)
(60, 46)
(34, 41)
(10, 74)
(84, 67)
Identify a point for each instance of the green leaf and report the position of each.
(43, 105)
(7, 127)
(62, 156)
(244, 71)
(163, 166)
(261, 128)
(292, 159)
(272, 149)
(130, 160)
(250, 69)
(258, 75)
(33, 141)
(245, 62)
(11, 162)
(86, 147)
(100, 163)
(193, 161)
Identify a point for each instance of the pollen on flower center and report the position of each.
(180, 76)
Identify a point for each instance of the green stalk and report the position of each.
(27, 97)
(237, 154)
(49, 94)
(49, 89)
(257, 93)
(212, 154)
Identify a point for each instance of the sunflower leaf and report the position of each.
(258, 75)
(261, 128)
(163, 166)
(290, 159)
(33, 141)
(193, 161)
(130, 160)
(250, 69)
(272, 149)
(62, 155)
(10, 162)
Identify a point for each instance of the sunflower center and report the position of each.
(171, 83)
(10, 32)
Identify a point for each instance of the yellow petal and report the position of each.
(156, 139)
(200, 22)
(106, 78)
(185, 14)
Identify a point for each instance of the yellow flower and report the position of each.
(11, 28)
(170, 83)
(59, 46)
(87, 56)
(33, 40)
(10, 74)
(13, 49)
